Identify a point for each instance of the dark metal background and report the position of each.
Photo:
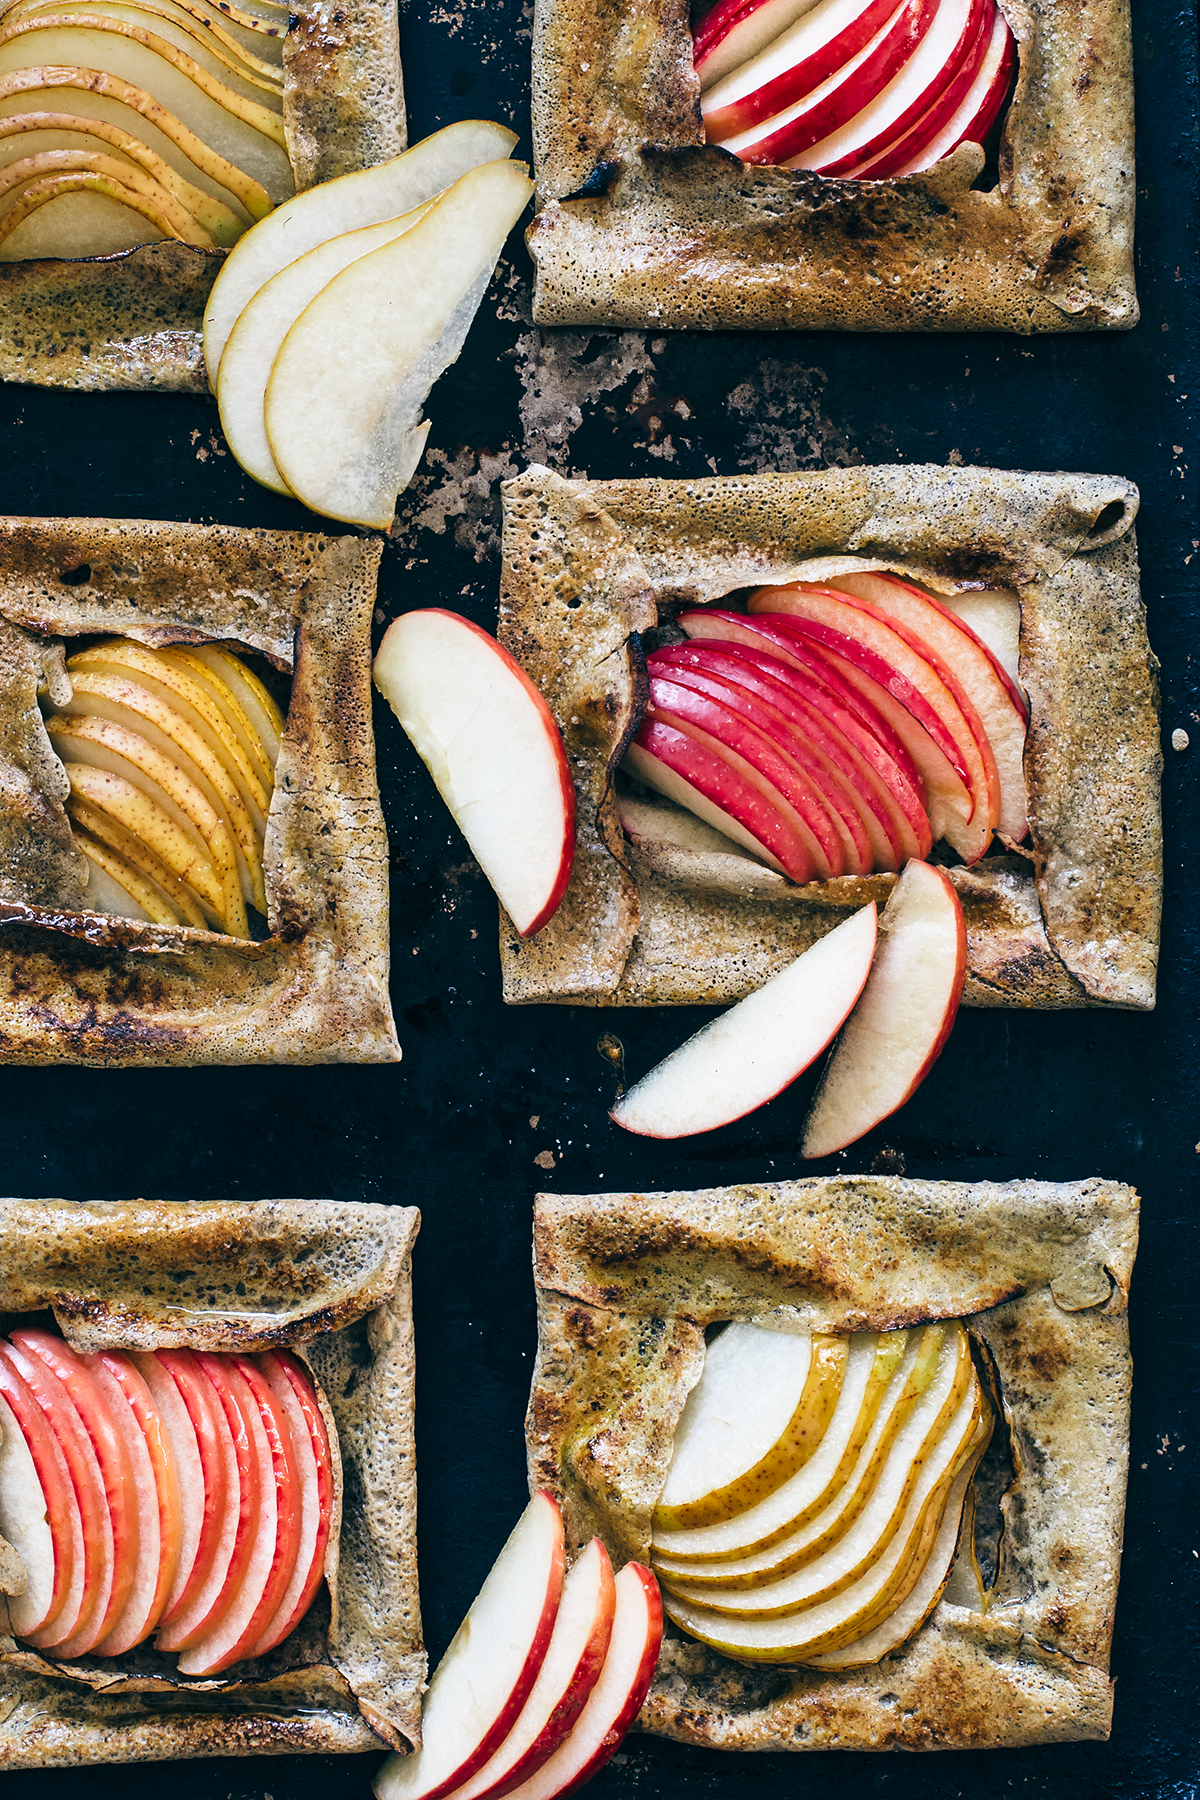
(489, 1105)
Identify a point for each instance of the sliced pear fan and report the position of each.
(40, 180)
(184, 27)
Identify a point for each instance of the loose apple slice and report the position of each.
(135, 1417)
(575, 1656)
(292, 1387)
(618, 1696)
(789, 65)
(343, 407)
(202, 1451)
(732, 32)
(900, 1026)
(484, 1679)
(752, 1052)
(38, 1512)
(368, 197)
(212, 1590)
(490, 742)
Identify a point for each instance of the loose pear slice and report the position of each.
(175, 845)
(344, 401)
(158, 208)
(106, 830)
(265, 321)
(236, 685)
(733, 1445)
(368, 197)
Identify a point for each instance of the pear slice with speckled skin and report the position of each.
(117, 888)
(135, 191)
(107, 830)
(174, 844)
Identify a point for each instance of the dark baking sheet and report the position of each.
(489, 1105)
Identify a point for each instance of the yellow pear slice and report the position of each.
(138, 812)
(163, 207)
(220, 51)
(750, 1394)
(217, 684)
(368, 197)
(158, 209)
(33, 133)
(105, 893)
(876, 1384)
(138, 708)
(127, 753)
(230, 677)
(106, 830)
(344, 401)
(146, 895)
(263, 324)
(97, 94)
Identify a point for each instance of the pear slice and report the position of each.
(265, 321)
(146, 896)
(736, 1401)
(104, 893)
(187, 31)
(345, 396)
(159, 209)
(104, 96)
(29, 133)
(165, 207)
(106, 830)
(138, 813)
(230, 707)
(368, 197)
(232, 681)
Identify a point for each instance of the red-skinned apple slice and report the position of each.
(906, 98)
(792, 65)
(43, 1604)
(618, 1696)
(310, 1445)
(110, 1458)
(752, 1052)
(898, 1029)
(135, 1418)
(490, 742)
(944, 107)
(578, 1646)
(979, 108)
(757, 758)
(237, 1522)
(734, 31)
(844, 771)
(202, 1453)
(994, 700)
(484, 1679)
(689, 771)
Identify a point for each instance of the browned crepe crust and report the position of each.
(333, 1281)
(136, 320)
(1039, 1271)
(642, 223)
(76, 987)
(1074, 924)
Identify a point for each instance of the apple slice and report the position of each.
(292, 1387)
(899, 1028)
(752, 1052)
(964, 113)
(199, 1473)
(489, 740)
(994, 615)
(574, 1659)
(343, 406)
(236, 1524)
(367, 197)
(791, 65)
(135, 1417)
(734, 31)
(38, 1512)
(484, 1679)
(618, 1696)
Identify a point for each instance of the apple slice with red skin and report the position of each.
(24, 1417)
(845, 773)
(25, 1526)
(992, 696)
(292, 1387)
(578, 1646)
(899, 1027)
(202, 1453)
(830, 786)
(484, 1679)
(734, 31)
(618, 1696)
(979, 108)
(690, 771)
(54, 1371)
(945, 106)
(135, 1416)
(742, 1059)
(489, 740)
(238, 1520)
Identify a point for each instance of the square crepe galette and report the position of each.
(662, 910)
(198, 1310)
(872, 1435)
(643, 223)
(193, 863)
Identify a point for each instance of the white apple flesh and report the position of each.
(25, 1523)
(734, 31)
(752, 1052)
(791, 65)
(490, 741)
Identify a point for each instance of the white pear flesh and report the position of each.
(368, 197)
(896, 1032)
(76, 225)
(265, 321)
(25, 1524)
(742, 1404)
(344, 401)
(757, 1048)
(490, 742)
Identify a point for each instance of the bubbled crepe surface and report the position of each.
(1040, 1273)
(642, 223)
(587, 564)
(136, 320)
(332, 1280)
(75, 987)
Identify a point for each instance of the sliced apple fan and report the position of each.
(860, 89)
(178, 1493)
(829, 1542)
(170, 755)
